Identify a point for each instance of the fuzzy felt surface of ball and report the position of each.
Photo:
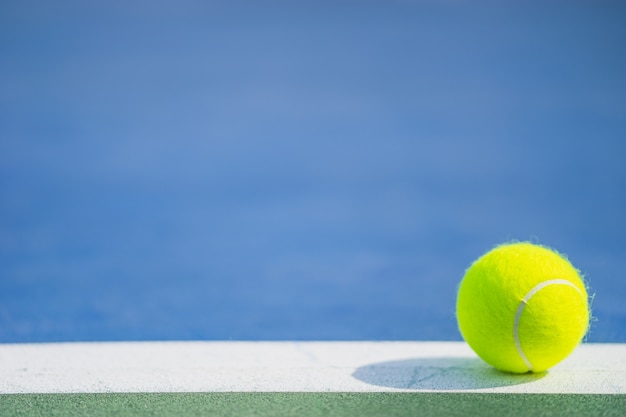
(522, 307)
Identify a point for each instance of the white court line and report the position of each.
(293, 367)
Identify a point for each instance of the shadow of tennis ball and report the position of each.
(447, 373)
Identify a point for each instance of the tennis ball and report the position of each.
(522, 307)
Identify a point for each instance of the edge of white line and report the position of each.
(293, 367)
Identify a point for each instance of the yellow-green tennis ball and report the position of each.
(522, 307)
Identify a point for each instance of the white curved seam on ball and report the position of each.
(520, 309)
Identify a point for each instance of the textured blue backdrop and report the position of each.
(300, 170)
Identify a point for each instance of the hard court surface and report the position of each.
(226, 175)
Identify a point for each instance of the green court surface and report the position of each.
(310, 404)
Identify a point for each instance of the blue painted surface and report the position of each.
(300, 171)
